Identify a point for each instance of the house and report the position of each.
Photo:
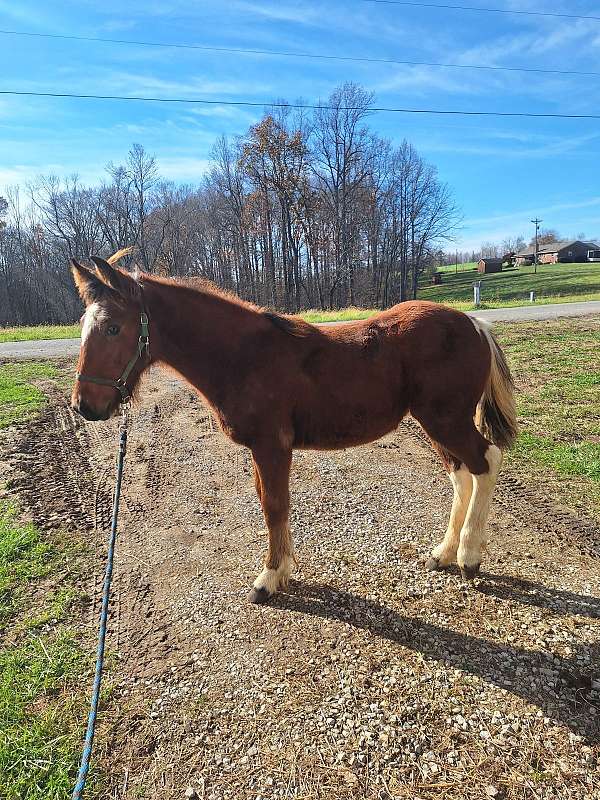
(557, 252)
(486, 265)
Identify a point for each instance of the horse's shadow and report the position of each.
(561, 687)
(532, 593)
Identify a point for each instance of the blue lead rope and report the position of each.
(91, 725)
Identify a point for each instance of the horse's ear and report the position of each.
(117, 280)
(89, 286)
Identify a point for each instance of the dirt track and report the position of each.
(369, 678)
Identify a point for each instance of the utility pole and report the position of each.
(537, 222)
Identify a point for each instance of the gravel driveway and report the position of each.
(369, 677)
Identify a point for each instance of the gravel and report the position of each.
(369, 677)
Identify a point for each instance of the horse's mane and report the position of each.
(290, 325)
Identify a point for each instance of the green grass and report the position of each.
(466, 266)
(39, 332)
(19, 398)
(557, 369)
(340, 315)
(553, 283)
(43, 671)
(23, 557)
(557, 283)
(40, 718)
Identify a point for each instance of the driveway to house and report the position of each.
(59, 348)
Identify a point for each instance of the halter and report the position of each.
(120, 384)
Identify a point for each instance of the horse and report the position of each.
(276, 383)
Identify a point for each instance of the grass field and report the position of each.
(19, 397)
(44, 672)
(42, 668)
(558, 283)
(466, 266)
(39, 332)
(340, 315)
(557, 369)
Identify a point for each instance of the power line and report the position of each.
(295, 54)
(307, 106)
(447, 6)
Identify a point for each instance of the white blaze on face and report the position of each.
(93, 316)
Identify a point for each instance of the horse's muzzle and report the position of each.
(88, 413)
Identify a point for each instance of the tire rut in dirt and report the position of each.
(56, 477)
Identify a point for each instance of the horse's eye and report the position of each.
(112, 330)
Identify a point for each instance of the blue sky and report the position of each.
(502, 171)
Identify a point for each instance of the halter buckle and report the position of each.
(144, 340)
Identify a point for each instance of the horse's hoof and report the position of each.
(432, 564)
(469, 573)
(259, 596)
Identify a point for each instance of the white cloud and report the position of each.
(35, 17)
(117, 25)
(22, 174)
(422, 80)
(563, 216)
(515, 216)
(276, 12)
(532, 146)
(184, 169)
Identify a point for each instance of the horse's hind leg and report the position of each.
(472, 536)
(480, 460)
(272, 475)
(445, 553)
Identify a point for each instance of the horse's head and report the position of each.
(114, 338)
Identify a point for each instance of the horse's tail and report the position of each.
(496, 415)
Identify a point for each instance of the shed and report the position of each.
(486, 265)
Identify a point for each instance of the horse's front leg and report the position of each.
(272, 478)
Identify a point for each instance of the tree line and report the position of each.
(303, 211)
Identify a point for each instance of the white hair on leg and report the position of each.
(445, 552)
(273, 579)
(472, 537)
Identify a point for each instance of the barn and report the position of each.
(486, 265)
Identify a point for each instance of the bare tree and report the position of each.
(300, 211)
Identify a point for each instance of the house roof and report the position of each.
(490, 260)
(556, 247)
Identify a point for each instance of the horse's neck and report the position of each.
(198, 335)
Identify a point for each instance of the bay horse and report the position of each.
(276, 383)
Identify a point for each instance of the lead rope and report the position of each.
(91, 723)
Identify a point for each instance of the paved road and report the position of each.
(57, 348)
(42, 348)
(540, 312)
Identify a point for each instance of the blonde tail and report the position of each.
(496, 415)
